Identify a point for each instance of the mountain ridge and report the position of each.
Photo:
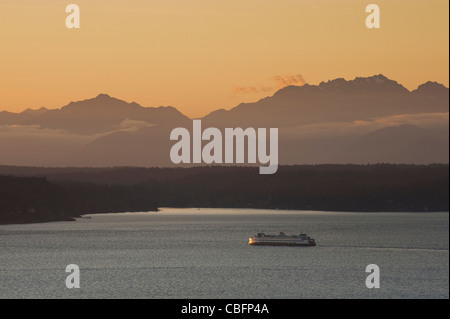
(331, 85)
(337, 100)
(101, 114)
(317, 124)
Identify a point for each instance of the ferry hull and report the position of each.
(283, 244)
(258, 242)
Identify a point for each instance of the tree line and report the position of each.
(66, 194)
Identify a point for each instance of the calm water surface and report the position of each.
(192, 253)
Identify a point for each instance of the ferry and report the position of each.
(282, 240)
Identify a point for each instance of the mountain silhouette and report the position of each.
(97, 115)
(431, 88)
(364, 120)
(10, 118)
(337, 100)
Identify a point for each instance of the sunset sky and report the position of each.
(201, 55)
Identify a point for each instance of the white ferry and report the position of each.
(282, 240)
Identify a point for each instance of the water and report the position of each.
(191, 253)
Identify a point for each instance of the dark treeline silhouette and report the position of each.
(32, 199)
(323, 187)
(35, 199)
(44, 194)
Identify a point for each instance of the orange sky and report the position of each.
(200, 55)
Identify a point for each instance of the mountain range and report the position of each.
(364, 120)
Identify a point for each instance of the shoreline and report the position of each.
(161, 209)
(43, 197)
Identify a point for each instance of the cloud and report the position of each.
(38, 132)
(132, 125)
(361, 127)
(280, 82)
(420, 119)
(286, 80)
(35, 131)
(251, 89)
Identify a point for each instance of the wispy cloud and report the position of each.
(251, 89)
(132, 125)
(324, 130)
(286, 80)
(280, 81)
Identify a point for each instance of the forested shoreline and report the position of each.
(29, 195)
